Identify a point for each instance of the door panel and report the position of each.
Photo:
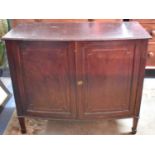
(104, 78)
(48, 75)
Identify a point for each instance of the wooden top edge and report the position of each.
(81, 31)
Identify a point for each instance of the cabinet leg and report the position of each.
(135, 123)
(22, 124)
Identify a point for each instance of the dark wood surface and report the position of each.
(15, 22)
(79, 79)
(149, 25)
(106, 70)
(48, 69)
(86, 31)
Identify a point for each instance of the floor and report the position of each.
(10, 106)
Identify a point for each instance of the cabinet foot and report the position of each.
(133, 132)
(22, 124)
(135, 123)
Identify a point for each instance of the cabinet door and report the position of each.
(48, 79)
(104, 78)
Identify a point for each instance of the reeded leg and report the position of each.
(22, 124)
(135, 123)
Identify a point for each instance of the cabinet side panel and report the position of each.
(14, 65)
(142, 46)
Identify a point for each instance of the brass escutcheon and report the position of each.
(80, 83)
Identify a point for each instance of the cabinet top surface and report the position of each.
(87, 31)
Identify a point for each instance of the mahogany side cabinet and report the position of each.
(78, 71)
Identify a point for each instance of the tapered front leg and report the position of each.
(22, 124)
(135, 123)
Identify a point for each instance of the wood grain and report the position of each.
(66, 74)
(47, 77)
(15, 22)
(87, 31)
(106, 69)
(149, 25)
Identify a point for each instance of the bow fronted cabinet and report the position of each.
(77, 71)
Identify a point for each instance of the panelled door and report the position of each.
(104, 78)
(48, 73)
